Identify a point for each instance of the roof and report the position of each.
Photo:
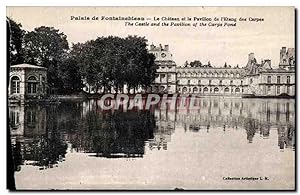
(27, 66)
(277, 70)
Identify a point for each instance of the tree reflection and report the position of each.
(45, 151)
(117, 134)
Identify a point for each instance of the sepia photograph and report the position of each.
(151, 98)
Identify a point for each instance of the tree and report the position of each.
(140, 67)
(112, 62)
(15, 42)
(46, 46)
(70, 76)
(196, 63)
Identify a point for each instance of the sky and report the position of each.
(215, 44)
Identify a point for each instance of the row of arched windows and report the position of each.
(199, 74)
(32, 84)
(206, 89)
(209, 82)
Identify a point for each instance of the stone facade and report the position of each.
(214, 81)
(165, 81)
(27, 82)
(254, 79)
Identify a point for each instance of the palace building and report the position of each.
(27, 81)
(254, 79)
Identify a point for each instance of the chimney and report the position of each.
(284, 49)
(268, 61)
(160, 47)
(250, 57)
(166, 47)
(152, 47)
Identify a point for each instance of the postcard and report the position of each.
(151, 98)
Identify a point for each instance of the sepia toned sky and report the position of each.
(217, 45)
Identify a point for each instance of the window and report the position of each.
(216, 90)
(288, 79)
(231, 82)
(226, 89)
(278, 79)
(278, 89)
(32, 84)
(162, 76)
(14, 118)
(15, 85)
(169, 77)
(205, 89)
(241, 82)
(288, 89)
(220, 82)
(209, 82)
(195, 90)
(199, 82)
(237, 90)
(31, 118)
(269, 79)
(251, 81)
(269, 88)
(189, 82)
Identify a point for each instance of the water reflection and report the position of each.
(43, 134)
(115, 134)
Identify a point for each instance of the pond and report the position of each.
(227, 143)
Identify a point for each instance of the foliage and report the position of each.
(114, 62)
(46, 46)
(196, 63)
(15, 41)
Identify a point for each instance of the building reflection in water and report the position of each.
(41, 134)
(35, 138)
